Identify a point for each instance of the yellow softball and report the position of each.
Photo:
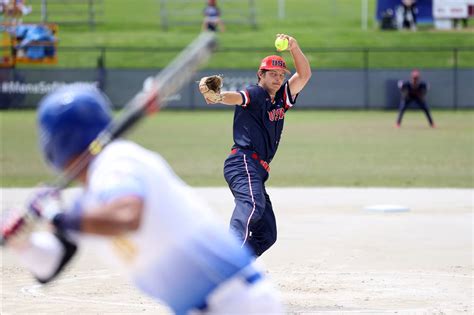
(281, 44)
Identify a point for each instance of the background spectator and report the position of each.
(14, 10)
(413, 91)
(35, 41)
(388, 20)
(409, 12)
(212, 18)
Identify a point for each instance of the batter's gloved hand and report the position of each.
(45, 203)
(210, 87)
(17, 229)
(21, 224)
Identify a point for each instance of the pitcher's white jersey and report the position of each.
(181, 253)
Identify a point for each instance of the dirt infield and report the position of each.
(332, 257)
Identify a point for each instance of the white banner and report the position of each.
(450, 9)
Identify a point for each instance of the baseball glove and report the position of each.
(210, 88)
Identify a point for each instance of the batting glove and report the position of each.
(45, 203)
(17, 230)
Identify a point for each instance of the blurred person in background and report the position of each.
(212, 18)
(464, 22)
(14, 10)
(413, 91)
(409, 12)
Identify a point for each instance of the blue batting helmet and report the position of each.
(69, 119)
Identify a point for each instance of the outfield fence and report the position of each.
(340, 57)
(366, 86)
(63, 12)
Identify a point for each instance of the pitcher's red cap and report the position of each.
(273, 63)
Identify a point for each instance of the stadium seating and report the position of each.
(29, 43)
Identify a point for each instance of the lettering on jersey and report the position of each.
(276, 114)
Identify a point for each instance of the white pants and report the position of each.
(236, 296)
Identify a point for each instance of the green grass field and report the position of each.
(318, 148)
(316, 24)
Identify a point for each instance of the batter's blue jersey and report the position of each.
(258, 123)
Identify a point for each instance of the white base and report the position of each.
(387, 208)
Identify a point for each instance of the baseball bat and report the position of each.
(156, 90)
(149, 100)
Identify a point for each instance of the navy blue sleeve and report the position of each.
(249, 95)
(285, 96)
(288, 98)
(405, 85)
(423, 87)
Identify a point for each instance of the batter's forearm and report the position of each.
(115, 218)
